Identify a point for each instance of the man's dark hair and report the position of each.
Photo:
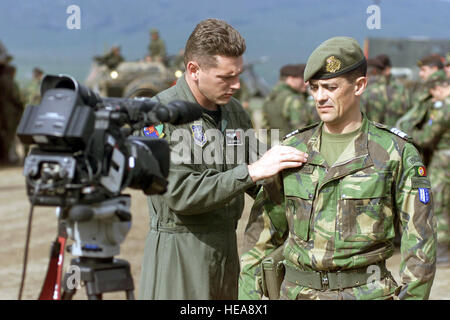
(360, 71)
(384, 59)
(433, 60)
(213, 37)
(292, 70)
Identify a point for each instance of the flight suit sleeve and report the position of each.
(194, 190)
(418, 242)
(267, 229)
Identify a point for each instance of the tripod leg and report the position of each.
(67, 295)
(129, 294)
(95, 296)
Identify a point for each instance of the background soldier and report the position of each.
(447, 65)
(435, 135)
(157, 47)
(111, 59)
(287, 107)
(191, 249)
(11, 108)
(431, 69)
(335, 215)
(33, 90)
(385, 100)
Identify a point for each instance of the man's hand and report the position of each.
(275, 160)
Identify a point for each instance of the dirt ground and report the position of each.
(14, 210)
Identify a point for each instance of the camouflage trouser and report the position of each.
(384, 289)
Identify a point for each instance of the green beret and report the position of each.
(154, 31)
(333, 58)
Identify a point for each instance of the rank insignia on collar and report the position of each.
(198, 134)
(333, 64)
(154, 131)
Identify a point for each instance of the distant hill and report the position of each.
(285, 31)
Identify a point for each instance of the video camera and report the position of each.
(85, 154)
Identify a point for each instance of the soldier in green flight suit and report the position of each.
(191, 249)
(435, 135)
(334, 216)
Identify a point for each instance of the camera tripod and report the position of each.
(100, 275)
(97, 230)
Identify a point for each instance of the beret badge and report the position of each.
(333, 64)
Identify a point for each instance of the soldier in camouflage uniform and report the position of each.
(434, 134)
(11, 108)
(335, 214)
(447, 65)
(33, 90)
(431, 68)
(191, 249)
(157, 47)
(112, 59)
(416, 117)
(385, 100)
(287, 107)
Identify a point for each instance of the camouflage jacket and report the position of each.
(435, 135)
(415, 119)
(342, 218)
(385, 100)
(287, 110)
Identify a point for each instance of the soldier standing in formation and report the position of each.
(287, 107)
(431, 69)
(434, 135)
(385, 100)
(335, 215)
(191, 249)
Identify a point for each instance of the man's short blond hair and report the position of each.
(213, 37)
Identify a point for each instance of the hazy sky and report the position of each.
(285, 31)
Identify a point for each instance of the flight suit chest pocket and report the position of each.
(366, 206)
(299, 190)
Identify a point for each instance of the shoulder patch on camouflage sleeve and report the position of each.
(293, 133)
